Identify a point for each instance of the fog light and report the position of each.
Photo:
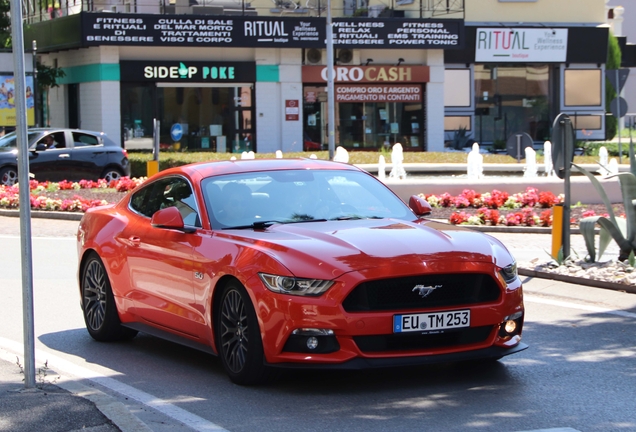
(510, 326)
(312, 343)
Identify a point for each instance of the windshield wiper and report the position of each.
(356, 217)
(255, 225)
(267, 224)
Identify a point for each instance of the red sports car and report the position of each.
(294, 263)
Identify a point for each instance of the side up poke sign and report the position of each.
(292, 110)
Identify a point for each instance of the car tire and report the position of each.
(111, 174)
(98, 304)
(238, 337)
(8, 176)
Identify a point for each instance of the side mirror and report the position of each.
(419, 205)
(40, 147)
(169, 218)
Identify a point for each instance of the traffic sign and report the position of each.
(618, 107)
(617, 78)
(176, 132)
(563, 139)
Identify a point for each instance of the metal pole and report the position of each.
(618, 120)
(25, 200)
(331, 99)
(34, 46)
(567, 149)
(518, 148)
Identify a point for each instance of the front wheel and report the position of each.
(238, 337)
(98, 304)
(111, 174)
(8, 176)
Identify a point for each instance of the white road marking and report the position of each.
(58, 365)
(589, 308)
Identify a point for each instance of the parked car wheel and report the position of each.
(8, 176)
(98, 304)
(111, 174)
(238, 337)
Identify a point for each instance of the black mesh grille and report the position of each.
(400, 294)
(417, 341)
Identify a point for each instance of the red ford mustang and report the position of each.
(294, 263)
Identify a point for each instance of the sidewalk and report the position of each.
(58, 406)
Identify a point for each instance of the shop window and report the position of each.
(457, 88)
(453, 123)
(582, 87)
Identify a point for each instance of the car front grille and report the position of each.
(407, 292)
(417, 341)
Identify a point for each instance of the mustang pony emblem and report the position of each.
(424, 290)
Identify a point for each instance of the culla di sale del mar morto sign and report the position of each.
(521, 45)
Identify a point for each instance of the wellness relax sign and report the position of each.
(267, 32)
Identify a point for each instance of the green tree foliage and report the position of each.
(5, 24)
(47, 76)
(613, 62)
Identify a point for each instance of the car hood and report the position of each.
(330, 249)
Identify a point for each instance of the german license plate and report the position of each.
(431, 321)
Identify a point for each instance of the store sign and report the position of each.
(521, 45)
(267, 32)
(378, 93)
(363, 74)
(292, 110)
(187, 71)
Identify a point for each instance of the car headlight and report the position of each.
(295, 286)
(509, 273)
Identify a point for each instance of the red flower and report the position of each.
(458, 218)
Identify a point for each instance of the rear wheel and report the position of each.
(111, 174)
(98, 304)
(238, 337)
(8, 176)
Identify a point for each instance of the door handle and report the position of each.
(134, 240)
(65, 155)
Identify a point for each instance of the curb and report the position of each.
(578, 280)
(43, 214)
(113, 410)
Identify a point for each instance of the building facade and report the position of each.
(229, 76)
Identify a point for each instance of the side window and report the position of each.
(138, 200)
(52, 141)
(178, 193)
(168, 192)
(83, 140)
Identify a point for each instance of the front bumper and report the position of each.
(493, 353)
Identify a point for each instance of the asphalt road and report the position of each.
(578, 373)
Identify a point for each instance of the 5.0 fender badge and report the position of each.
(424, 290)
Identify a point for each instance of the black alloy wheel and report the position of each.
(238, 337)
(98, 304)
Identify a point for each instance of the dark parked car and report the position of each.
(64, 154)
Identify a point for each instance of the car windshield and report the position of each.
(9, 140)
(260, 199)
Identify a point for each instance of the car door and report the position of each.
(52, 164)
(90, 156)
(160, 260)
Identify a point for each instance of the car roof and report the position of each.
(214, 168)
(54, 129)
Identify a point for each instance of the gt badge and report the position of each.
(424, 290)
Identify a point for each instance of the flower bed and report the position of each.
(529, 208)
(42, 199)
